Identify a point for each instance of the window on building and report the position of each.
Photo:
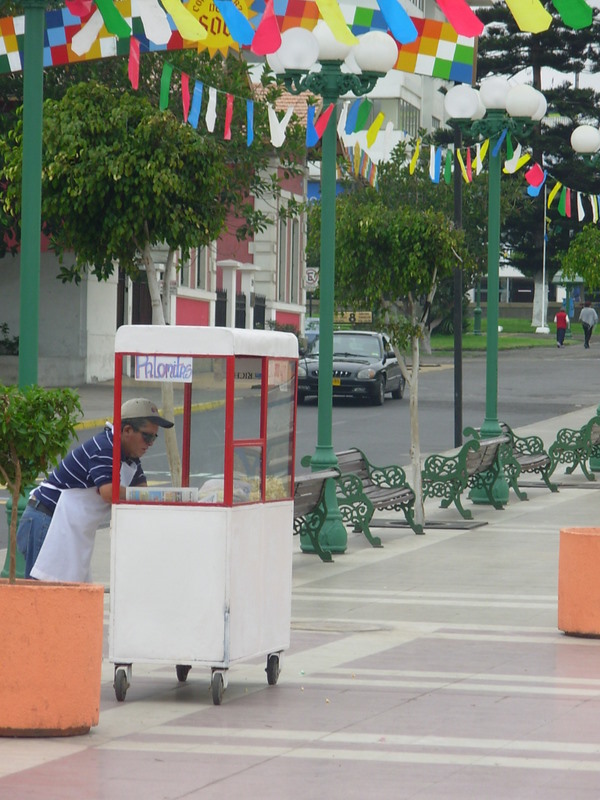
(436, 123)
(183, 273)
(201, 267)
(401, 113)
(295, 261)
(282, 261)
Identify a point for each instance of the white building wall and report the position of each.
(101, 313)
(63, 324)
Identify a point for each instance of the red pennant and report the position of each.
(79, 8)
(185, 94)
(321, 123)
(134, 62)
(469, 166)
(267, 37)
(228, 117)
(568, 203)
(535, 175)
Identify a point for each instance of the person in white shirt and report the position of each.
(588, 319)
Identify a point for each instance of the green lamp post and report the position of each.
(585, 140)
(316, 62)
(31, 189)
(490, 113)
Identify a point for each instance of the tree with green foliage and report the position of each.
(36, 427)
(390, 259)
(120, 177)
(583, 258)
(506, 50)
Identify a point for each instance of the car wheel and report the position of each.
(379, 396)
(398, 393)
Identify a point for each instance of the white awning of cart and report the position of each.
(193, 340)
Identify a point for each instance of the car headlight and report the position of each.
(301, 371)
(366, 374)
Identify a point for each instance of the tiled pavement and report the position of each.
(431, 669)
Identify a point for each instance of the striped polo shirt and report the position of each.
(89, 464)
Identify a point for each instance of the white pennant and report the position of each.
(388, 141)
(432, 162)
(478, 164)
(211, 109)
(87, 35)
(510, 165)
(580, 211)
(341, 127)
(278, 128)
(154, 20)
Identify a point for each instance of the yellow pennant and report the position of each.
(554, 192)
(530, 15)
(374, 129)
(356, 158)
(481, 154)
(332, 14)
(415, 158)
(187, 25)
(463, 169)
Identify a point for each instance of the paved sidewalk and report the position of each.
(429, 669)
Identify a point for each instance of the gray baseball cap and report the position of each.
(140, 408)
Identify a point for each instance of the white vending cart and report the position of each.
(201, 570)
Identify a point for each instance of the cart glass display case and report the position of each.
(201, 556)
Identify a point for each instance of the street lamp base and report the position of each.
(479, 496)
(333, 535)
(542, 329)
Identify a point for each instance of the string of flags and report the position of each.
(353, 117)
(571, 203)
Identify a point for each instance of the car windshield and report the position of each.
(349, 346)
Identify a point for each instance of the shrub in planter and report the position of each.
(37, 426)
(51, 633)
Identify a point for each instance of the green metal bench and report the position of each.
(475, 466)
(575, 446)
(362, 488)
(310, 508)
(526, 454)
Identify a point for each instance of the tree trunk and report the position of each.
(158, 318)
(540, 302)
(415, 440)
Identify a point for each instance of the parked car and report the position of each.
(364, 366)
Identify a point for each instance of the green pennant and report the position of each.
(363, 115)
(165, 86)
(562, 203)
(575, 14)
(509, 147)
(448, 168)
(113, 21)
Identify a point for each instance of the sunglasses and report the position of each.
(149, 438)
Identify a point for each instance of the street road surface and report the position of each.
(533, 385)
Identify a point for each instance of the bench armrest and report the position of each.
(349, 486)
(570, 437)
(439, 468)
(528, 445)
(390, 477)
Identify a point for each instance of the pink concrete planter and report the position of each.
(579, 581)
(51, 662)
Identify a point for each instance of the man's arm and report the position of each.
(105, 491)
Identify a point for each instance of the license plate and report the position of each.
(336, 382)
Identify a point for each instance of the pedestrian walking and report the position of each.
(562, 321)
(588, 318)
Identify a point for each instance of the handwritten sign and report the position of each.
(164, 368)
